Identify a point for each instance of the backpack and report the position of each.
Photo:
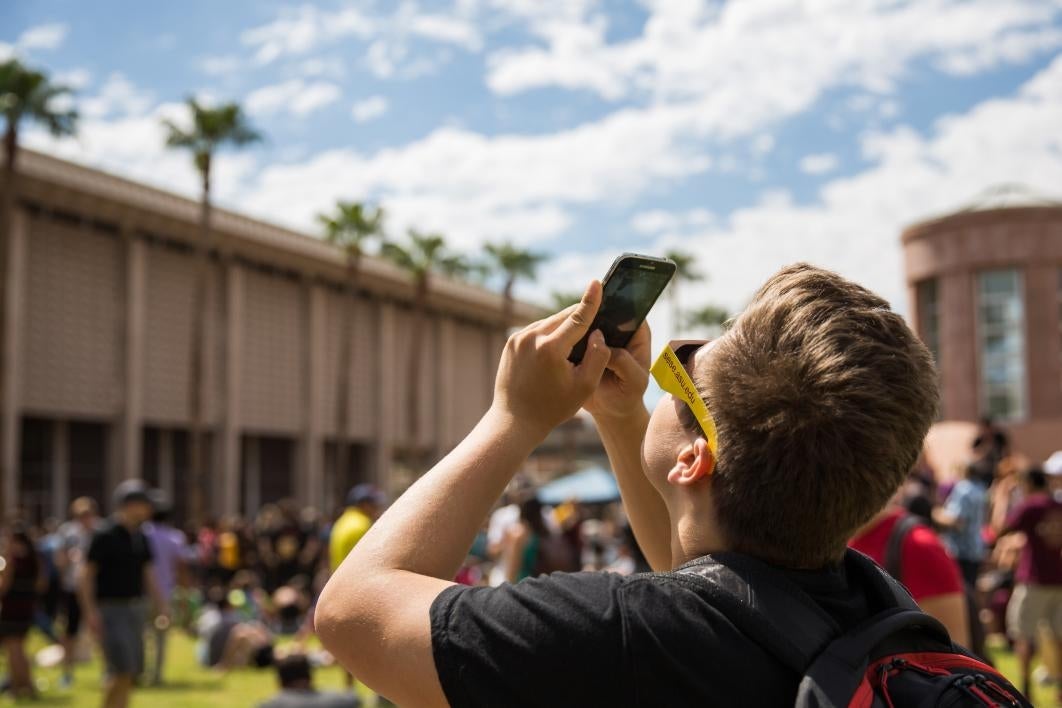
(898, 657)
(894, 566)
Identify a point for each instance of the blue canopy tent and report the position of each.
(595, 485)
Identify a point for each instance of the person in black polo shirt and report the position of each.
(779, 440)
(114, 581)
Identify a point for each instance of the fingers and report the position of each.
(574, 326)
(591, 368)
(625, 366)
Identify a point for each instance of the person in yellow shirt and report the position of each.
(364, 504)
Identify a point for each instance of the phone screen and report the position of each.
(632, 287)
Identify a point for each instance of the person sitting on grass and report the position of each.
(297, 691)
(799, 424)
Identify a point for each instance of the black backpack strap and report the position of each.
(764, 605)
(832, 679)
(778, 615)
(894, 548)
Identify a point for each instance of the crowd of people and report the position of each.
(244, 588)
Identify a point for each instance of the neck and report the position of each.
(694, 533)
(124, 520)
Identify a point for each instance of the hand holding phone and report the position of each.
(631, 287)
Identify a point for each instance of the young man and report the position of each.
(114, 580)
(168, 551)
(1037, 600)
(963, 518)
(801, 422)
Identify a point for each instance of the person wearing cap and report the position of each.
(116, 577)
(1053, 470)
(364, 504)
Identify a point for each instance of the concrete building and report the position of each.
(985, 290)
(97, 342)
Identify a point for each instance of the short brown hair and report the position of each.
(822, 397)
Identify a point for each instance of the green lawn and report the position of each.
(189, 686)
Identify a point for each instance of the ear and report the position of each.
(694, 463)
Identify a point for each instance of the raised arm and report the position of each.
(374, 613)
(621, 420)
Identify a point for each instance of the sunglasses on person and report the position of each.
(672, 372)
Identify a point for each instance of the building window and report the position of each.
(929, 317)
(1001, 343)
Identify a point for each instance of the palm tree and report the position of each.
(711, 317)
(350, 226)
(422, 255)
(685, 271)
(562, 300)
(24, 94)
(514, 263)
(212, 128)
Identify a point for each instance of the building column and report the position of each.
(958, 347)
(60, 468)
(383, 454)
(311, 443)
(229, 437)
(131, 422)
(252, 476)
(10, 405)
(165, 462)
(446, 366)
(1042, 353)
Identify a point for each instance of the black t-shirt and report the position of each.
(581, 639)
(120, 556)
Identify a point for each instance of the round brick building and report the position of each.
(985, 292)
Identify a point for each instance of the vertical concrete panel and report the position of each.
(73, 310)
(446, 383)
(231, 421)
(168, 322)
(365, 369)
(272, 332)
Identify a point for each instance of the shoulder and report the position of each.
(928, 568)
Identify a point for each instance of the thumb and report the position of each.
(595, 360)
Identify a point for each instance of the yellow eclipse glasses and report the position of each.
(671, 373)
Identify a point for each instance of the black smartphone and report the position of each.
(630, 288)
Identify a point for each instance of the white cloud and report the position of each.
(369, 109)
(819, 163)
(117, 96)
(48, 36)
(525, 183)
(223, 65)
(658, 221)
(854, 226)
(306, 29)
(781, 54)
(296, 96)
(75, 79)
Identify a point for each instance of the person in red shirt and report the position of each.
(923, 565)
(1037, 599)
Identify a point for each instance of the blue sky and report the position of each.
(752, 133)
